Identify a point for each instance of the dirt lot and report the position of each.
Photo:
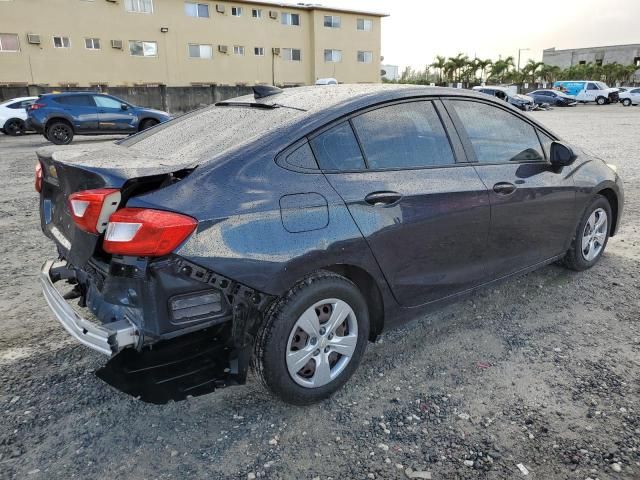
(543, 371)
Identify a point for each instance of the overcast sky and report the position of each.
(417, 30)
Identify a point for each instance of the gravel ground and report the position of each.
(542, 371)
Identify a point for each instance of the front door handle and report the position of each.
(382, 199)
(504, 188)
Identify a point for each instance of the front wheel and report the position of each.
(626, 102)
(148, 123)
(60, 133)
(591, 236)
(312, 339)
(601, 100)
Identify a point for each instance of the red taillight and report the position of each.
(90, 209)
(146, 233)
(38, 181)
(36, 106)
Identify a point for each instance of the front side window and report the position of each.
(139, 6)
(238, 50)
(197, 50)
(9, 42)
(637, 90)
(256, 13)
(365, 57)
(364, 24)
(92, 43)
(333, 55)
(332, 21)
(61, 42)
(337, 149)
(139, 48)
(592, 86)
(198, 10)
(290, 19)
(107, 102)
(406, 135)
(291, 54)
(496, 135)
(236, 11)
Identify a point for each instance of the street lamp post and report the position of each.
(520, 50)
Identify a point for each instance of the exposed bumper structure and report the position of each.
(108, 339)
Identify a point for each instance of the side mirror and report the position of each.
(562, 155)
(124, 106)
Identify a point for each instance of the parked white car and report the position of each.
(13, 115)
(326, 81)
(630, 97)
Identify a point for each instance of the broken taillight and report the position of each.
(145, 232)
(91, 209)
(38, 181)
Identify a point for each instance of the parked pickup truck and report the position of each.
(588, 91)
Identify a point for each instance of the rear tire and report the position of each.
(14, 127)
(601, 100)
(148, 123)
(60, 133)
(298, 349)
(626, 102)
(591, 236)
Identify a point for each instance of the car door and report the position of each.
(114, 115)
(532, 203)
(635, 96)
(81, 109)
(423, 211)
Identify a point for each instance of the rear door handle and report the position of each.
(382, 199)
(504, 188)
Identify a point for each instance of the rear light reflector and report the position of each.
(91, 209)
(145, 232)
(36, 106)
(38, 181)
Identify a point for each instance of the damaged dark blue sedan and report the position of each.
(286, 229)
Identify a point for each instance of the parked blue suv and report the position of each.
(60, 116)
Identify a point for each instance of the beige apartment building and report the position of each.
(181, 43)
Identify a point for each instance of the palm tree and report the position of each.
(501, 68)
(439, 65)
(531, 68)
(482, 66)
(549, 73)
(458, 63)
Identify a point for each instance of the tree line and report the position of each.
(462, 69)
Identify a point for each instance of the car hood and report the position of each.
(522, 98)
(154, 111)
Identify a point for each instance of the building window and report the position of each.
(365, 57)
(582, 62)
(291, 54)
(139, 48)
(258, 51)
(256, 13)
(238, 50)
(636, 61)
(200, 51)
(331, 21)
(365, 25)
(236, 11)
(92, 43)
(9, 42)
(333, 55)
(139, 6)
(200, 10)
(290, 19)
(61, 42)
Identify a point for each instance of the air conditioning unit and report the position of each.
(273, 14)
(33, 38)
(116, 44)
(222, 48)
(219, 8)
(275, 51)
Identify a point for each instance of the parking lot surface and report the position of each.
(542, 371)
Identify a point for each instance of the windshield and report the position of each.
(602, 86)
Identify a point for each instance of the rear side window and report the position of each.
(338, 149)
(76, 100)
(496, 135)
(405, 135)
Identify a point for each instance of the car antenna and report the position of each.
(262, 91)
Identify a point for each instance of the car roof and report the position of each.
(17, 99)
(66, 94)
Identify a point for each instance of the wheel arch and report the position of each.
(612, 198)
(144, 119)
(370, 290)
(52, 120)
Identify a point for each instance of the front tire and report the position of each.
(312, 339)
(60, 133)
(591, 236)
(626, 102)
(148, 123)
(601, 100)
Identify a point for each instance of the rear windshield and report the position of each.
(203, 134)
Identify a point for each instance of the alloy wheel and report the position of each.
(594, 235)
(321, 343)
(13, 128)
(60, 133)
